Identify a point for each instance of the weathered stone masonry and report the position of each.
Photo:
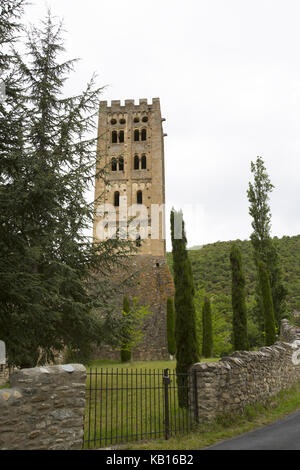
(246, 377)
(44, 409)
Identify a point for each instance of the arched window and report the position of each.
(144, 134)
(113, 164)
(136, 135)
(139, 197)
(121, 164)
(138, 241)
(121, 137)
(114, 137)
(144, 162)
(117, 199)
(136, 164)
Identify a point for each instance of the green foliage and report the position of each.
(51, 296)
(207, 343)
(270, 328)
(221, 321)
(133, 318)
(212, 277)
(212, 270)
(239, 319)
(171, 327)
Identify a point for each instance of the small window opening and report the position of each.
(113, 121)
(121, 137)
(114, 137)
(136, 119)
(122, 121)
(114, 165)
(136, 135)
(136, 163)
(144, 134)
(138, 241)
(139, 197)
(121, 164)
(145, 119)
(117, 199)
(144, 162)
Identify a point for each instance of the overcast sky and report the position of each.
(227, 73)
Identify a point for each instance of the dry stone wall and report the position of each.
(44, 408)
(246, 377)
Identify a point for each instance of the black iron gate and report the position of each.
(124, 405)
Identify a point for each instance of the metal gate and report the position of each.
(124, 405)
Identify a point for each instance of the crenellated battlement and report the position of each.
(117, 105)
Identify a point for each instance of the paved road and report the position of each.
(280, 435)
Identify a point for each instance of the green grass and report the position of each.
(7, 385)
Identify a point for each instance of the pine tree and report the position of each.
(270, 328)
(125, 349)
(207, 342)
(265, 249)
(185, 326)
(240, 339)
(171, 327)
(50, 293)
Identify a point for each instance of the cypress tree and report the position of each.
(270, 328)
(185, 324)
(125, 349)
(171, 327)
(265, 248)
(207, 342)
(239, 322)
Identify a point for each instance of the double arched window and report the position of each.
(117, 137)
(140, 163)
(117, 164)
(139, 135)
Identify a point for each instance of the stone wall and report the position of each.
(44, 409)
(245, 377)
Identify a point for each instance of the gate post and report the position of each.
(166, 382)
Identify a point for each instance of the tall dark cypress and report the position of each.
(238, 297)
(207, 343)
(185, 326)
(268, 309)
(171, 327)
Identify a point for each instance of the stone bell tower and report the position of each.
(131, 149)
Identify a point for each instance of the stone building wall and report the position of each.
(152, 284)
(44, 409)
(246, 377)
